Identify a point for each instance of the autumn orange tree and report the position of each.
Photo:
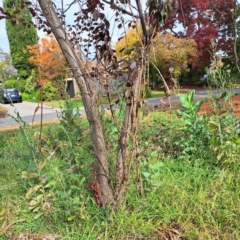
(49, 60)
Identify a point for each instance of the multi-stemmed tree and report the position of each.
(90, 17)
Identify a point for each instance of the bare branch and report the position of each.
(121, 9)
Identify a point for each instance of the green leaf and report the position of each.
(153, 153)
(155, 175)
(48, 185)
(198, 105)
(2, 211)
(184, 102)
(146, 174)
(74, 187)
(36, 209)
(156, 166)
(82, 181)
(158, 184)
(224, 95)
(212, 127)
(222, 112)
(187, 122)
(39, 198)
(237, 140)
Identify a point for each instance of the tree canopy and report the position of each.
(48, 58)
(166, 51)
(125, 46)
(174, 52)
(203, 21)
(19, 37)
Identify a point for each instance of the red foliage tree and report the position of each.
(203, 20)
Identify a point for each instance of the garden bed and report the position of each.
(207, 108)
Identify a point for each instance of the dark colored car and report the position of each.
(10, 95)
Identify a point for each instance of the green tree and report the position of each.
(19, 37)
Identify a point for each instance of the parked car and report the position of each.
(10, 95)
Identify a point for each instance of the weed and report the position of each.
(217, 136)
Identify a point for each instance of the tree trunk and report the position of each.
(131, 116)
(89, 98)
(123, 156)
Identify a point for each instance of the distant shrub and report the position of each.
(13, 83)
(21, 85)
(26, 96)
(50, 92)
(34, 97)
(22, 74)
(30, 84)
(220, 77)
(148, 92)
(10, 83)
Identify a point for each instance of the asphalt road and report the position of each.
(27, 110)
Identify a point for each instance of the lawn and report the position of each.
(77, 103)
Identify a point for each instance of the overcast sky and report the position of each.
(3, 35)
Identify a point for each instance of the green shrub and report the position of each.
(50, 92)
(30, 84)
(26, 96)
(22, 74)
(220, 78)
(10, 83)
(148, 92)
(34, 97)
(217, 135)
(13, 83)
(21, 85)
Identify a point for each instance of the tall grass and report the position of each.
(186, 196)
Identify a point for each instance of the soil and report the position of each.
(206, 108)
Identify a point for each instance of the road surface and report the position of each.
(26, 109)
